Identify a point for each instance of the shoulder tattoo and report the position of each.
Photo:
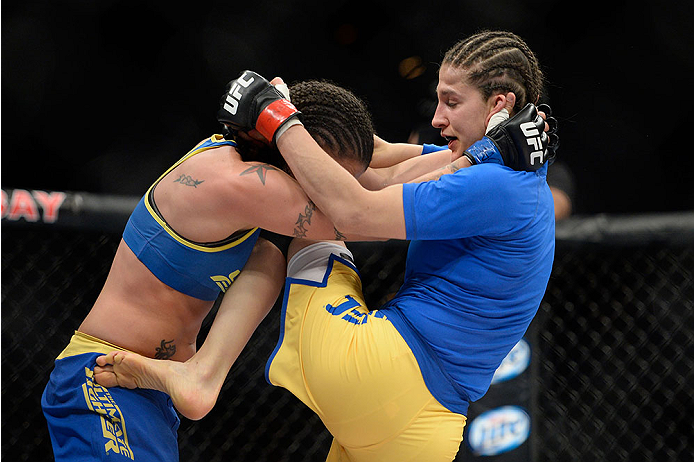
(260, 169)
(187, 180)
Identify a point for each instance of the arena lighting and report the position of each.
(411, 68)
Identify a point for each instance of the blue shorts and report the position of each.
(88, 422)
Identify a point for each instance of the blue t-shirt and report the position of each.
(480, 257)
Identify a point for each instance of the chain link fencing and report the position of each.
(614, 342)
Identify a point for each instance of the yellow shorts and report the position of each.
(351, 366)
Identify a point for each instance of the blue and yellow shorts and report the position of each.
(351, 366)
(89, 422)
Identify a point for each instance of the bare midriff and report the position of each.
(137, 312)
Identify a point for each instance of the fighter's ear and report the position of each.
(499, 102)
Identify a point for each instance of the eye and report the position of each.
(451, 104)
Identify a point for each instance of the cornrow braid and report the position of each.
(336, 118)
(499, 62)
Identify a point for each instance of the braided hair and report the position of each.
(336, 118)
(499, 62)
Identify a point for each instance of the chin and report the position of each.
(457, 149)
(462, 147)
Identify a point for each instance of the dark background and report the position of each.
(102, 96)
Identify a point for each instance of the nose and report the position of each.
(439, 121)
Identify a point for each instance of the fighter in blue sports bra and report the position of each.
(197, 269)
(194, 233)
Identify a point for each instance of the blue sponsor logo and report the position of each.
(514, 363)
(498, 431)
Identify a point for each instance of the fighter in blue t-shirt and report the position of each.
(395, 383)
(480, 256)
(475, 273)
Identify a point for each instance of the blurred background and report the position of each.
(103, 96)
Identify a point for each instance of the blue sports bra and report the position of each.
(200, 270)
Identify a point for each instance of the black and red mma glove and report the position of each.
(251, 102)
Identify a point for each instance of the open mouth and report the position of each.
(450, 140)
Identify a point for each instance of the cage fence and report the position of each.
(613, 341)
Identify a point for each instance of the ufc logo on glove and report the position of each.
(251, 102)
(532, 135)
(234, 96)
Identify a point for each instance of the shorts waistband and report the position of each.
(81, 343)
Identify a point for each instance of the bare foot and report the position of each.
(192, 389)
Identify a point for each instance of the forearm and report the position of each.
(398, 163)
(388, 154)
(461, 162)
(405, 172)
(352, 209)
(414, 168)
(332, 188)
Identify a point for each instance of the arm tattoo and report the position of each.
(339, 236)
(304, 219)
(436, 174)
(188, 180)
(166, 350)
(460, 162)
(261, 170)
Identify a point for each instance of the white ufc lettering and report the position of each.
(529, 129)
(538, 156)
(532, 135)
(535, 142)
(231, 103)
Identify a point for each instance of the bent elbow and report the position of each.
(346, 217)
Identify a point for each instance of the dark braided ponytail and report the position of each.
(499, 62)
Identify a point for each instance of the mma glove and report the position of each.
(519, 142)
(251, 102)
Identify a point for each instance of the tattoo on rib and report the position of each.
(188, 180)
(304, 220)
(261, 170)
(166, 350)
(339, 236)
